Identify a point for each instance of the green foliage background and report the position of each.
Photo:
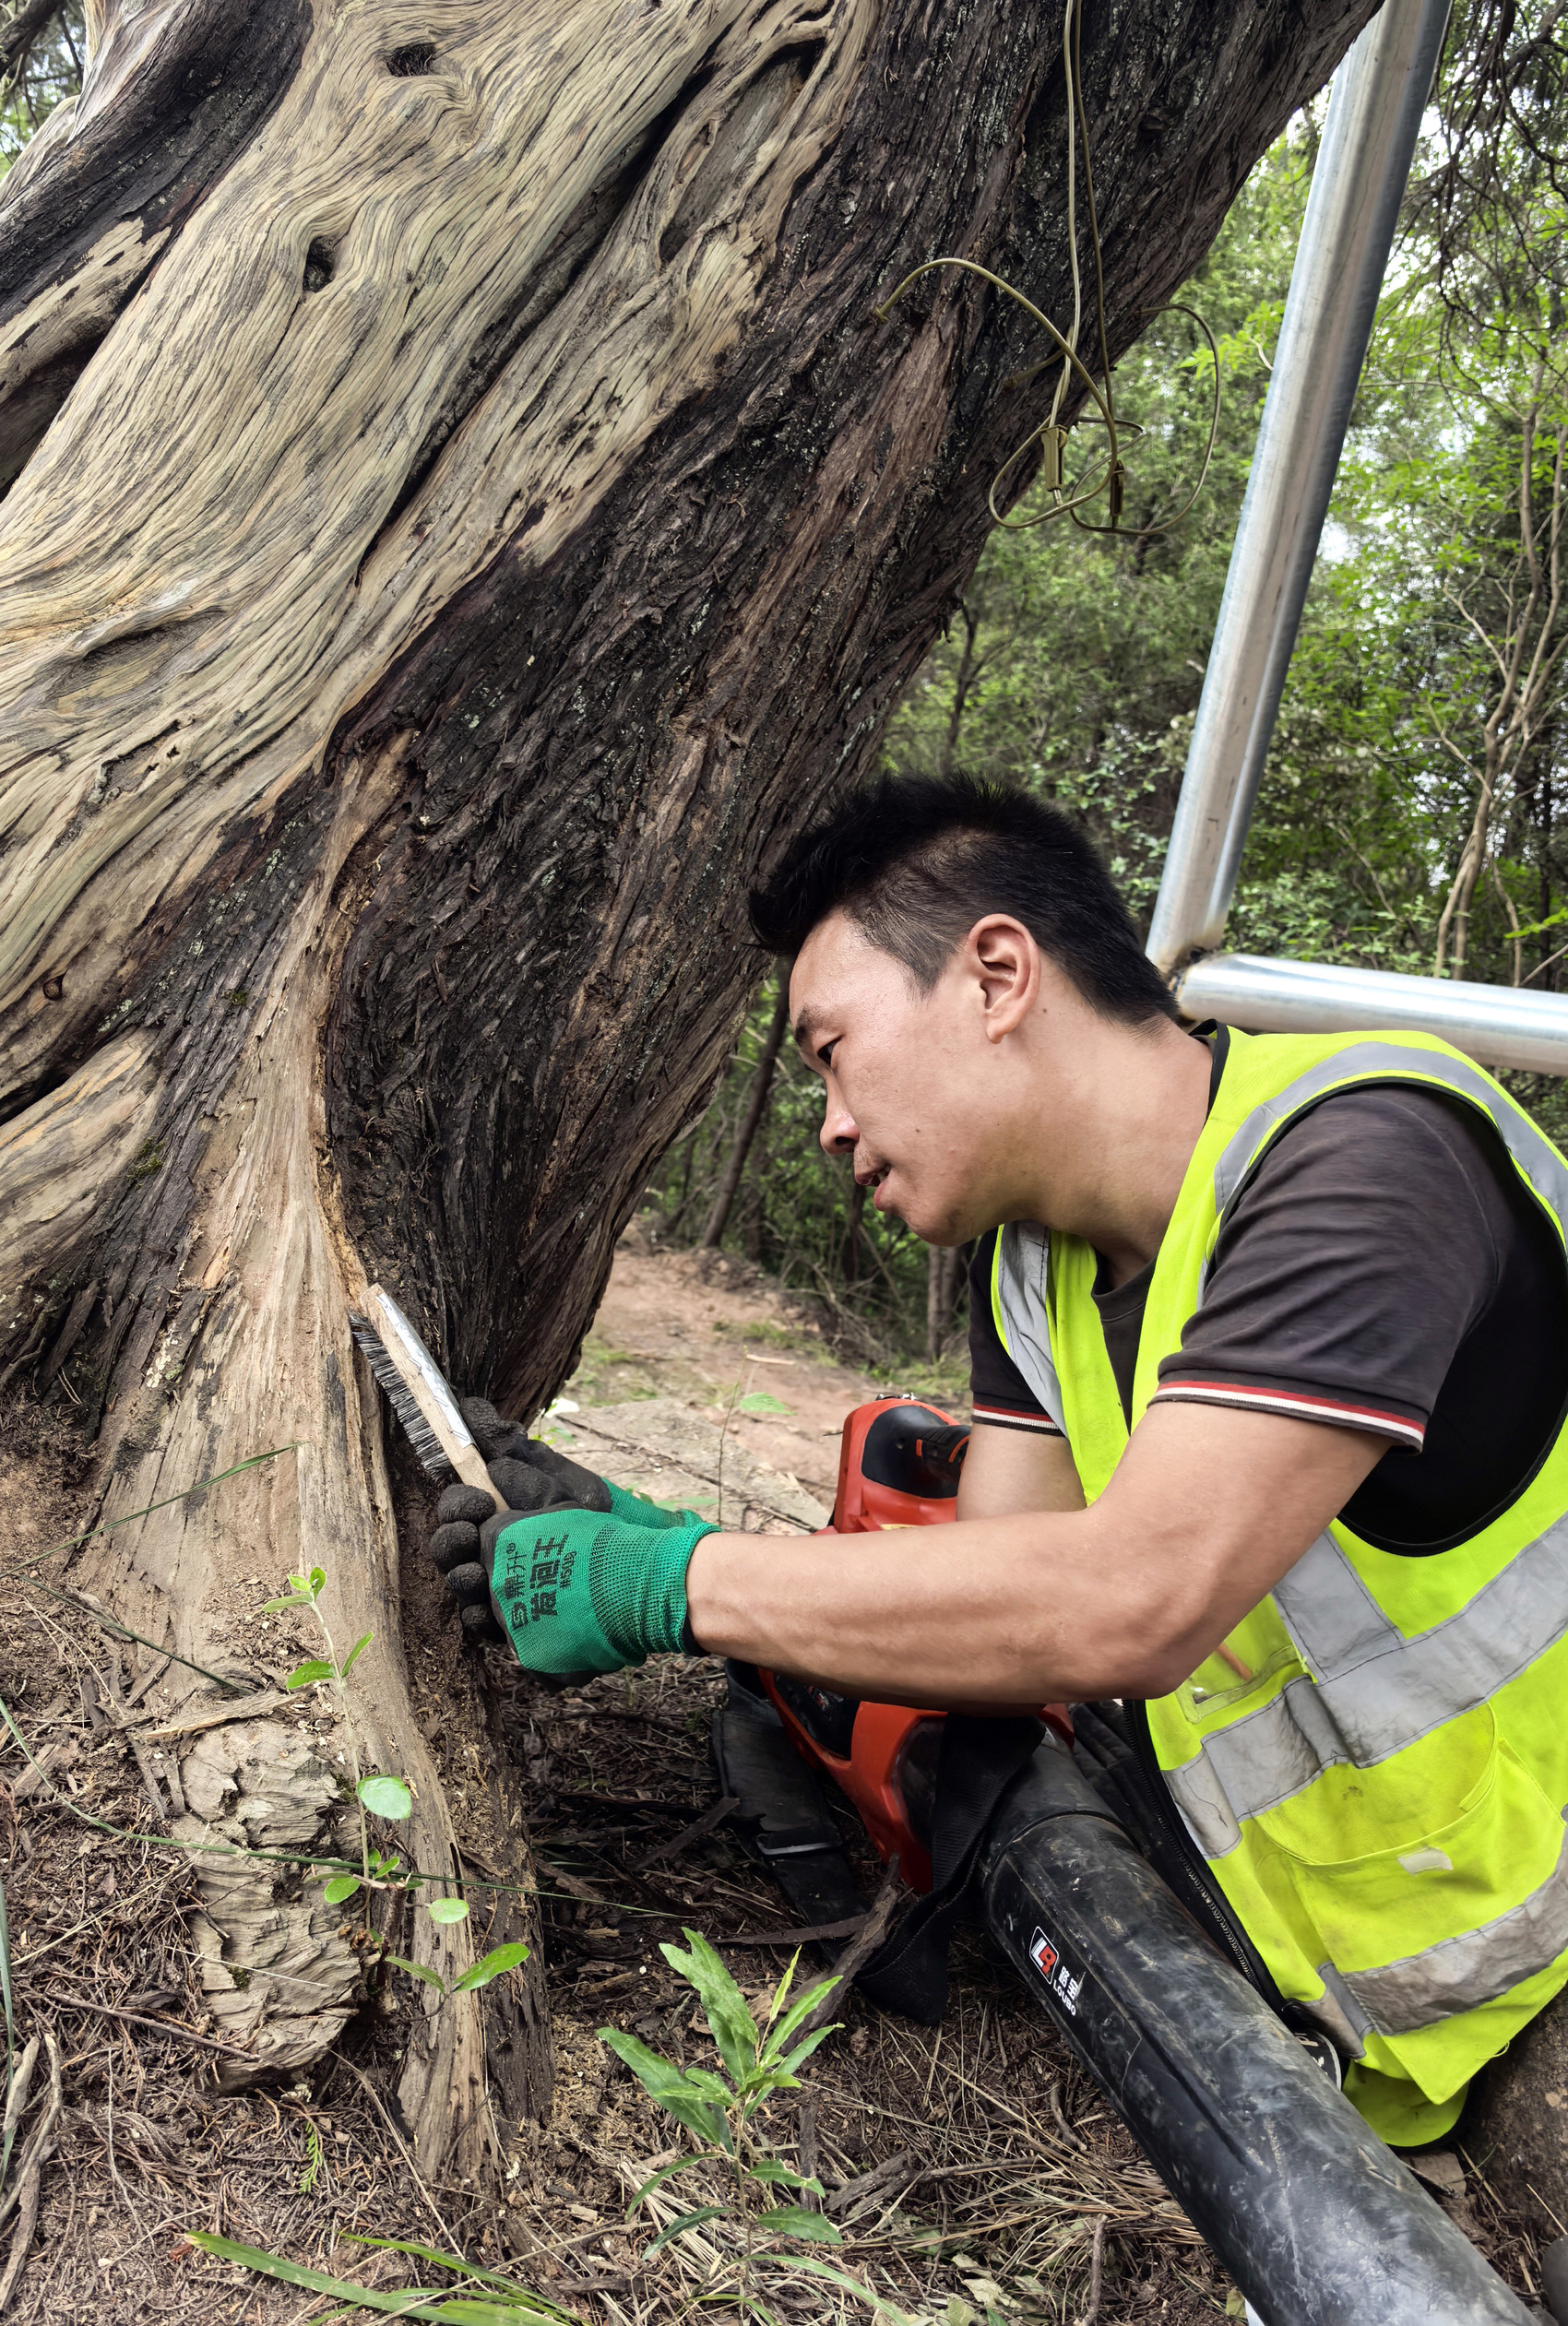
(37, 68)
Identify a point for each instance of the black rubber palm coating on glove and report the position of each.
(508, 1443)
(463, 1546)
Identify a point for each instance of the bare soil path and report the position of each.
(709, 1332)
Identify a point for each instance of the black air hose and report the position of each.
(1316, 2220)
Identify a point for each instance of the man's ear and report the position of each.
(1003, 960)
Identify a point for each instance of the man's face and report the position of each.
(906, 1078)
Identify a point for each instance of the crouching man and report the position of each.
(1270, 1342)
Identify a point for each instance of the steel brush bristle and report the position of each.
(420, 1436)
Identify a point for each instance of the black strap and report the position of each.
(1113, 1749)
(977, 1761)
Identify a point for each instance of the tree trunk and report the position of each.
(855, 1228)
(755, 1108)
(944, 1270)
(465, 518)
(963, 680)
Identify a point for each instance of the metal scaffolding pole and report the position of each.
(1375, 115)
(1496, 1024)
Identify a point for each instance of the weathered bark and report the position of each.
(465, 518)
(755, 1107)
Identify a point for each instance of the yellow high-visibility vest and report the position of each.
(1382, 1801)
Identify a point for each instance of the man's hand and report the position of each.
(507, 1450)
(580, 1591)
(463, 1546)
(574, 1590)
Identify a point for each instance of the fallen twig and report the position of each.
(160, 2026)
(695, 1832)
(872, 1931)
(26, 2222)
(1097, 2266)
(249, 1707)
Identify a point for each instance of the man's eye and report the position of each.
(826, 1049)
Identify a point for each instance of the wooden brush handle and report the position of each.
(421, 1378)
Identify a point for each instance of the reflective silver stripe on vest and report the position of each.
(1022, 1249)
(1459, 1974)
(1530, 1149)
(1373, 1692)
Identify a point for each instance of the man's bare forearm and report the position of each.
(1209, 1508)
(980, 1613)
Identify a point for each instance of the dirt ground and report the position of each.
(973, 2172)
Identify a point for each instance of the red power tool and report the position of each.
(898, 1465)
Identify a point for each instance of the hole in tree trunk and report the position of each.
(319, 261)
(404, 64)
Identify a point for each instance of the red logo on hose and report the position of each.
(1063, 1976)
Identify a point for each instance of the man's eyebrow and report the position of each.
(805, 1026)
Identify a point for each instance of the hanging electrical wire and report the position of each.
(1105, 472)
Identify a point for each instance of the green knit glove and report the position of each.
(578, 1591)
(635, 1509)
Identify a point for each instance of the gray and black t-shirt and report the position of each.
(1384, 1270)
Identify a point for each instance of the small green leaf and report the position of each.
(295, 1600)
(783, 2174)
(794, 2221)
(404, 2304)
(385, 1797)
(680, 2094)
(793, 2059)
(448, 1909)
(317, 1580)
(763, 2081)
(801, 2008)
(727, 2011)
(354, 1653)
(758, 1401)
(533, 2304)
(420, 1970)
(809, 2263)
(688, 2220)
(341, 1886)
(713, 2086)
(308, 1675)
(491, 1966)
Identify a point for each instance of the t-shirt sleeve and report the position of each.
(999, 1394)
(1350, 1269)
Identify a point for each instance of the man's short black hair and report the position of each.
(916, 861)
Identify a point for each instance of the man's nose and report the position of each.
(839, 1135)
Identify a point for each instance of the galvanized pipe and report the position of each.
(1495, 1025)
(1374, 114)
